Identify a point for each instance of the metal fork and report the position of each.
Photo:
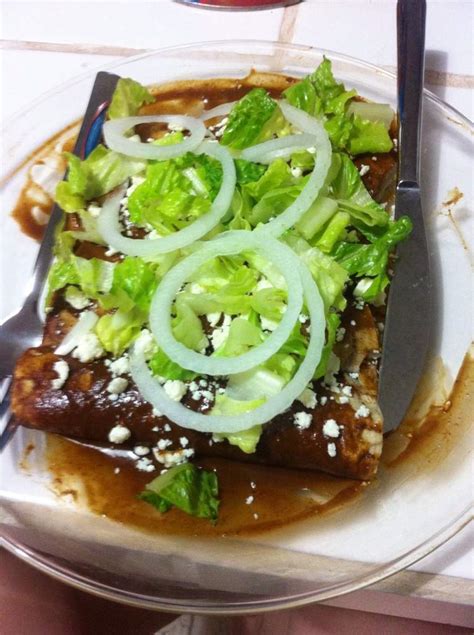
(24, 329)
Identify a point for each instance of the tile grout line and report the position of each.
(287, 24)
(286, 33)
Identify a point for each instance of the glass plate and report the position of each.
(410, 511)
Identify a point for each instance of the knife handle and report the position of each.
(411, 19)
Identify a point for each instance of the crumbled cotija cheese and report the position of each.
(302, 420)
(119, 434)
(331, 429)
(62, 369)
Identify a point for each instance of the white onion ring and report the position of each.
(219, 111)
(109, 227)
(230, 243)
(86, 322)
(115, 140)
(293, 213)
(278, 148)
(153, 392)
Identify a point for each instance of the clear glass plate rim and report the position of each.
(104, 591)
(224, 43)
(383, 571)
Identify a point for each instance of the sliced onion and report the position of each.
(219, 111)
(86, 322)
(230, 243)
(278, 148)
(293, 213)
(154, 393)
(114, 136)
(109, 226)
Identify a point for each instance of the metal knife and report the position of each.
(408, 320)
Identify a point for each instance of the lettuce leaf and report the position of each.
(328, 274)
(127, 99)
(242, 336)
(352, 196)
(247, 172)
(246, 440)
(333, 321)
(372, 259)
(100, 173)
(271, 303)
(116, 331)
(254, 118)
(169, 199)
(320, 95)
(93, 276)
(193, 490)
(273, 192)
(137, 279)
(161, 365)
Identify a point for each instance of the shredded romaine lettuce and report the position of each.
(319, 94)
(186, 487)
(253, 119)
(372, 259)
(127, 99)
(116, 331)
(247, 440)
(100, 173)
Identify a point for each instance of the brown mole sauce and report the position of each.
(109, 485)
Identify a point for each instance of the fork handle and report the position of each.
(411, 20)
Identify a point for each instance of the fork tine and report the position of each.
(8, 432)
(11, 423)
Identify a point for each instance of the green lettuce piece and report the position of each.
(352, 196)
(240, 208)
(100, 173)
(296, 344)
(273, 192)
(155, 499)
(127, 99)
(193, 490)
(333, 232)
(230, 289)
(282, 364)
(93, 276)
(254, 118)
(333, 321)
(242, 336)
(277, 175)
(116, 331)
(169, 199)
(329, 275)
(226, 406)
(368, 136)
(314, 219)
(248, 172)
(137, 279)
(372, 259)
(320, 95)
(271, 303)
(60, 275)
(203, 303)
(246, 440)
(68, 200)
(187, 327)
(256, 383)
(161, 365)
